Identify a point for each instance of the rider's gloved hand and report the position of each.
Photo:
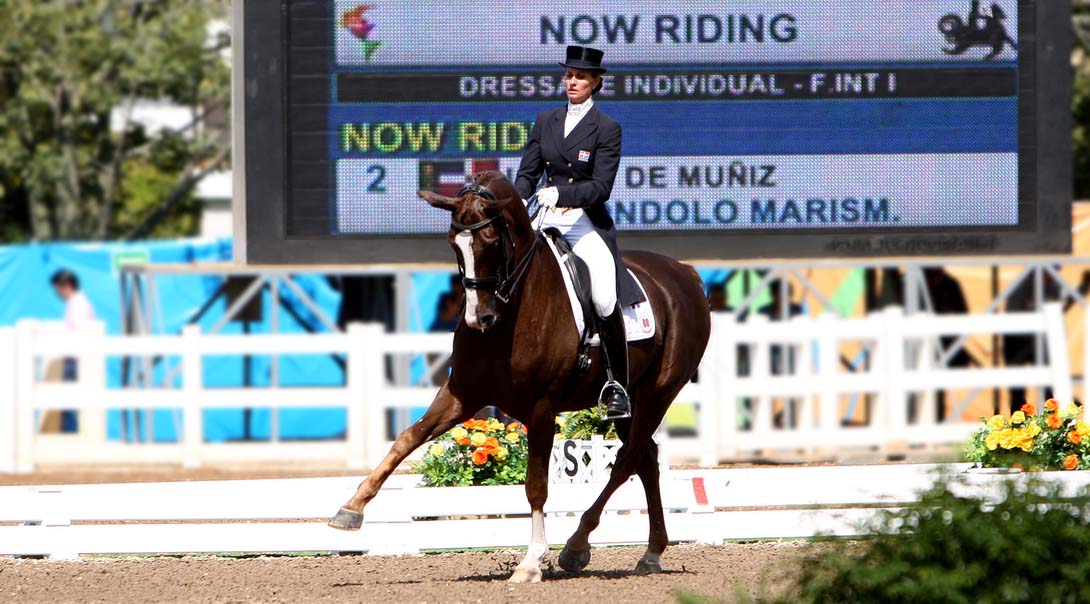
(548, 197)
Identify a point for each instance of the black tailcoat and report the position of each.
(582, 167)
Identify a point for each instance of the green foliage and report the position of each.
(958, 549)
(581, 425)
(69, 74)
(477, 452)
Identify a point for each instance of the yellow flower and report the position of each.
(500, 453)
(995, 422)
(436, 450)
(1018, 417)
(1006, 437)
(459, 433)
(495, 425)
(1068, 410)
(992, 440)
(512, 437)
(1082, 428)
(1033, 429)
(478, 439)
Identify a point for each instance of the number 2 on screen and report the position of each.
(377, 185)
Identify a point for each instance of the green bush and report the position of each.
(954, 549)
(581, 425)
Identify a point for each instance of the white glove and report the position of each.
(548, 197)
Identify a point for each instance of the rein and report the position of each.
(503, 284)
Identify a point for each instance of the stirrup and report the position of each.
(615, 387)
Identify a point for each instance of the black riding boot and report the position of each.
(614, 394)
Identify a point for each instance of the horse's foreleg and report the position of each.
(537, 492)
(445, 411)
(648, 470)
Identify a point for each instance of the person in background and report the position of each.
(78, 314)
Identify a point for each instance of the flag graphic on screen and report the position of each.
(448, 177)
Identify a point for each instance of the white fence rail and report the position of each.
(288, 515)
(902, 372)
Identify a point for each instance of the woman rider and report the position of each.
(577, 148)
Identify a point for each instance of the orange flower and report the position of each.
(462, 441)
(1054, 421)
(1018, 466)
(492, 442)
(1029, 409)
(1071, 462)
(1052, 405)
(513, 426)
(1074, 438)
(480, 457)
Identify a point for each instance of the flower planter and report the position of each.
(582, 461)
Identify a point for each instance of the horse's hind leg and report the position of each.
(648, 470)
(445, 411)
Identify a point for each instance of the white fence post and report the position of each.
(7, 400)
(373, 372)
(828, 364)
(1058, 361)
(723, 372)
(356, 415)
(710, 400)
(91, 373)
(26, 429)
(894, 400)
(192, 386)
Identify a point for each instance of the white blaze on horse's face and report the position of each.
(464, 241)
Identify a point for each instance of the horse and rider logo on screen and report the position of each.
(981, 29)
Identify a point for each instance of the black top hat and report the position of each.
(584, 57)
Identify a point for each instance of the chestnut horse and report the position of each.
(516, 349)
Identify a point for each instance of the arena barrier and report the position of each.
(904, 369)
(288, 515)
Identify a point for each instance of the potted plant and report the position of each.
(476, 452)
(1054, 440)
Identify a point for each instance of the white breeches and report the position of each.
(589, 245)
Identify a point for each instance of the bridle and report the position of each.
(503, 283)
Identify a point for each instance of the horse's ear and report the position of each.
(436, 200)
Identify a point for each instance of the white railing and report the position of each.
(897, 343)
(288, 515)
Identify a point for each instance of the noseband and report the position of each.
(503, 283)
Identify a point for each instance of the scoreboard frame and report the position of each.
(262, 176)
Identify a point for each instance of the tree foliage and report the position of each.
(74, 164)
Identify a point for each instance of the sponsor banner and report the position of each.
(684, 84)
(758, 192)
(386, 33)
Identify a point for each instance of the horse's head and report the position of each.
(486, 240)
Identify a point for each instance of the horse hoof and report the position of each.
(347, 520)
(649, 564)
(525, 575)
(573, 560)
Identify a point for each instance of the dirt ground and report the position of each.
(715, 571)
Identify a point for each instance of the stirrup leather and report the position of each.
(603, 410)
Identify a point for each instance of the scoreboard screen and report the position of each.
(751, 128)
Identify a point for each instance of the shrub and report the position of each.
(581, 425)
(954, 549)
(476, 452)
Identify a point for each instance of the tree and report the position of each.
(73, 162)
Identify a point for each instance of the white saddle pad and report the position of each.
(639, 320)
